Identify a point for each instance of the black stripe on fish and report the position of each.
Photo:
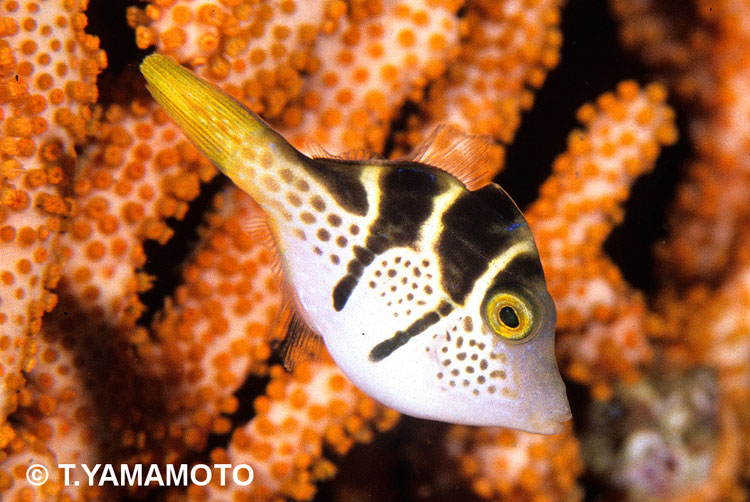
(406, 201)
(477, 227)
(345, 286)
(524, 267)
(386, 347)
(407, 196)
(342, 182)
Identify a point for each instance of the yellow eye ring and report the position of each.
(509, 316)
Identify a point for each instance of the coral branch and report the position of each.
(578, 207)
(48, 67)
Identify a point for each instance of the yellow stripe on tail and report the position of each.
(218, 124)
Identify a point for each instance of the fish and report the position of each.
(419, 275)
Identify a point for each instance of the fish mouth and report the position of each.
(553, 425)
(549, 421)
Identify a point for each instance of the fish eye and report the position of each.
(509, 315)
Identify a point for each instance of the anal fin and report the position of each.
(299, 342)
(464, 156)
(296, 341)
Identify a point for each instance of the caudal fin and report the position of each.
(218, 124)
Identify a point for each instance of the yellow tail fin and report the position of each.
(217, 123)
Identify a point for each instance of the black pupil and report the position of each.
(508, 317)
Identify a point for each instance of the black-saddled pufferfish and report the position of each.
(423, 281)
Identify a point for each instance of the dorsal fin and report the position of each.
(316, 151)
(358, 154)
(298, 342)
(465, 157)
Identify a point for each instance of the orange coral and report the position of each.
(302, 411)
(513, 465)
(368, 71)
(48, 67)
(105, 389)
(505, 54)
(578, 207)
(260, 53)
(212, 332)
(139, 172)
(706, 61)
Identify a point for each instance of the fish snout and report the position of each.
(550, 419)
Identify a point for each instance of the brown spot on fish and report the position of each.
(286, 175)
(335, 259)
(267, 159)
(334, 220)
(341, 241)
(300, 234)
(354, 229)
(271, 183)
(302, 185)
(468, 325)
(307, 217)
(323, 234)
(391, 272)
(317, 203)
(293, 199)
(317, 250)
